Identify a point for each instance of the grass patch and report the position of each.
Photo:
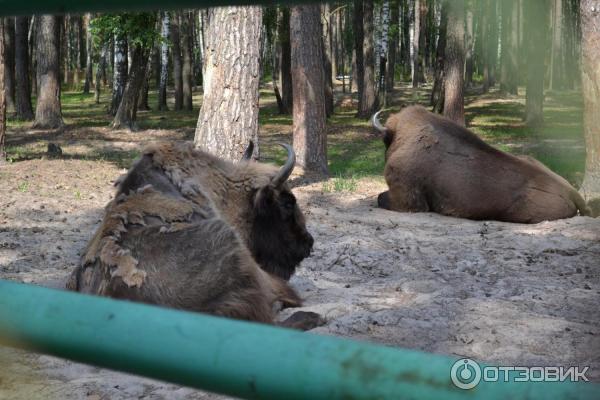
(340, 184)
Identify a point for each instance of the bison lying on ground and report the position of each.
(191, 231)
(434, 164)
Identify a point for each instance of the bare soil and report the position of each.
(507, 294)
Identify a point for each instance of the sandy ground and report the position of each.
(506, 294)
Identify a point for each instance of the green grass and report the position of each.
(354, 152)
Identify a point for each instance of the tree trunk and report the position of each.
(9, 64)
(469, 41)
(368, 100)
(310, 139)
(326, 44)
(119, 72)
(228, 118)
(22, 84)
(2, 96)
(143, 95)
(455, 63)
(89, 73)
(186, 52)
(66, 47)
(391, 62)
(177, 61)
(557, 46)
(383, 50)
(406, 43)
(48, 112)
(437, 93)
(164, 62)
(359, 65)
(78, 33)
(285, 62)
(415, 44)
(101, 70)
(509, 69)
(126, 113)
(537, 21)
(590, 82)
(492, 45)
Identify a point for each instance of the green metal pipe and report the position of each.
(37, 7)
(237, 358)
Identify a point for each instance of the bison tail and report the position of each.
(580, 203)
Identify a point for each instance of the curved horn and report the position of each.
(285, 171)
(376, 124)
(249, 150)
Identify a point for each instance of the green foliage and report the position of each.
(138, 28)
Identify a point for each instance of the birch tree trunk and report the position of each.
(48, 111)
(310, 139)
(100, 72)
(125, 116)
(88, 52)
(228, 118)
(119, 72)
(164, 62)
(590, 82)
(383, 54)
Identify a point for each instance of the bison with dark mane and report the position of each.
(434, 164)
(191, 231)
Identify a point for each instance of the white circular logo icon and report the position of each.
(465, 373)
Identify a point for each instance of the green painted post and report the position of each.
(237, 358)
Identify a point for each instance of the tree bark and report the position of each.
(22, 84)
(310, 139)
(101, 72)
(164, 62)
(186, 52)
(508, 69)
(590, 82)
(89, 74)
(455, 63)
(415, 45)
(437, 93)
(469, 41)
(177, 61)
(557, 46)
(359, 65)
(368, 100)
(9, 64)
(395, 34)
(125, 116)
(48, 111)
(326, 45)
(145, 87)
(537, 21)
(2, 96)
(228, 117)
(285, 62)
(119, 72)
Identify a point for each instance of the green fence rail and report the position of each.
(237, 358)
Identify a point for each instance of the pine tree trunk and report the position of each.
(557, 46)
(437, 93)
(119, 72)
(228, 117)
(391, 62)
(537, 21)
(367, 103)
(143, 95)
(66, 47)
(358, 62)
(164, 62)
(310, 139)
(177, 61)
(326, 45)
(186, 52)
(22, 84)
(455, 63)
(100, 72)
(508, 71)
(2, 96)
(406, 43)
(89, 73)
(126, 113)
(9, 64)
(484, 43)
(285, 62)
(469, 42)
(78, 33)
(493, 41)
(48, 111)
(590, 82)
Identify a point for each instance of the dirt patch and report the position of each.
(503, 293)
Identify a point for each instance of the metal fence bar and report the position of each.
(237, 358)
(31, 7)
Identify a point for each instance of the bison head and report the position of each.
(279, 239)
(388, 136)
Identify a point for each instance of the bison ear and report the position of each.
(264, 200)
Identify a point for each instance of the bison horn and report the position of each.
(285, 171)
(249, 151)
(376, 124)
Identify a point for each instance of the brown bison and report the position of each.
(434, 164)
(191, 231)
